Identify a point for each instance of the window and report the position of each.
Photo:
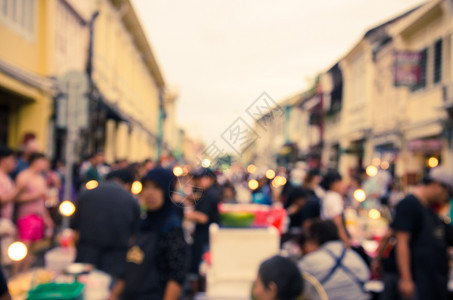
(438, 61)
(423, 65)
(19, 15)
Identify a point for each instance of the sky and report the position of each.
(221, 55)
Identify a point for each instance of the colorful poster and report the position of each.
(407, 68)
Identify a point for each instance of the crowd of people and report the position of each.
(152, 242)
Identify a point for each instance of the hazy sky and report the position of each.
(221, 55)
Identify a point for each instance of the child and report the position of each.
(278, 279)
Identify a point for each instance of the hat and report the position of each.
(442, 175)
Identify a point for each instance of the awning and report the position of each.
(112, 112)
(29, 78)
(425, 146)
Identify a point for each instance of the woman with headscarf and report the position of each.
(156, 263)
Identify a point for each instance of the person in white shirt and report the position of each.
(332, 204)
(340, 270)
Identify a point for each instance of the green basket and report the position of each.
(57, 291)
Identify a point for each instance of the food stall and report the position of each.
(60, 279)
(248, 234)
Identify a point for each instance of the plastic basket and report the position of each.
(57, 291)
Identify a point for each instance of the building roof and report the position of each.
(379, 32)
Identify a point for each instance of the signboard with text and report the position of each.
(407, 70)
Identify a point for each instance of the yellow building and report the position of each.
(26, 32)
(130, 82)
(426, 124)
(369, 113)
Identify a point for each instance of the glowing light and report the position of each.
(251, 169)
(433, 162)
(178, 171)
(371, 171)
(359, 195)
(385, 165)
(279, 181)
(17, 251)
(136, 187)
(370, 246)
(270, 174)
(185, 171)
(91, 185)
(205, 163)
(275, 184)
(374, 214)
(376, 161)
(253, 184)
(67, 208)
(282, 180)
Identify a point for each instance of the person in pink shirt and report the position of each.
(7, 195)
(7, 188)
(32, 215)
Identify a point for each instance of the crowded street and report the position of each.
(226, 150)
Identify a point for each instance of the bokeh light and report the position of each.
(279, 181)
(67, 208)
(136, 187)
(359, 195)
(385, 165)
(251, 168)
(178, 171)
(374, 214)
(205, 163)
(17, 251)
(253, 184)
(270, 174)
(376, 161)
(433, 162)
(371, 171)
(91, 185)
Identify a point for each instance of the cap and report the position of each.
(442, 175)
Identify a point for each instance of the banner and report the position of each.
(407, 70)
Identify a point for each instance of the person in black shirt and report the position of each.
(106, 218)
(157, 262)
(205, 213)
(312, 208)
(294, 205)
(421, 244)
(4, 293)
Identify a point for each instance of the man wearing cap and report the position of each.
(421, 247)
(106, 218)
